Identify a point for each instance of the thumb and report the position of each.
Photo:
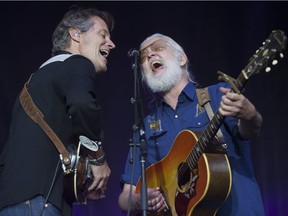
(224, 90)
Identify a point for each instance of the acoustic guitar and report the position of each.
(195, 180)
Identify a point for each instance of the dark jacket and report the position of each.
(65, 92)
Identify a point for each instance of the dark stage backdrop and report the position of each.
(216, 36)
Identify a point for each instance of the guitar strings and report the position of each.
(191, 160)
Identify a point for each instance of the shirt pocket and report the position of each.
(197, 123)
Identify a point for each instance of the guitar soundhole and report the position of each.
(184, 175)
(186, 187)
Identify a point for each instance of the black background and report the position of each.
(215, 35)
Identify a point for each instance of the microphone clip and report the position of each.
(133, 53)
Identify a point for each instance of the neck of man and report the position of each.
(74, 49)
(171, 96)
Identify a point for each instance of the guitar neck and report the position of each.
(211, 130)
(273, 45)
(204, 140)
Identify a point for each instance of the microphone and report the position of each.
(133, 52)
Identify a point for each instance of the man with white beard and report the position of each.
(164, 66)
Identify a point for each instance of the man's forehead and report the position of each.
(100, 25)
(98, 22)
(145, 44)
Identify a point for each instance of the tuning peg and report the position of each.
(267, 69)
(281, 55)
(274, 62)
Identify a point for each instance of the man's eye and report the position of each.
(158, 48)
(161, 48)
(102, 35)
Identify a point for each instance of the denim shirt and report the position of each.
(165, 123)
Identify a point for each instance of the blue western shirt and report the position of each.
(164, 123)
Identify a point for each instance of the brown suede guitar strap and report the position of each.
(204, 100)
(37, 116)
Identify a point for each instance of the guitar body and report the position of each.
(199, 191)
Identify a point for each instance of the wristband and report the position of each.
(97, 161)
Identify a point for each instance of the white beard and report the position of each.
(166, 79)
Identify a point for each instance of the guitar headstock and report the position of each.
(272, 48)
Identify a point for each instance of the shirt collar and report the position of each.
(188, 91)
(61, 52)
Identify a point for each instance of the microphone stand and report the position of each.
(138, 129)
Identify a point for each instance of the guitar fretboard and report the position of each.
(205, 138)
(211, 130)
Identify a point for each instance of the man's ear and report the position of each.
(183, 59)
(74, 34)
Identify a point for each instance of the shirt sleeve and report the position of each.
(77, 88)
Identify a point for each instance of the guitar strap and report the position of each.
(38, 117)
(204, 100)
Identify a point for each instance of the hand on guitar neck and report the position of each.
(237, 105)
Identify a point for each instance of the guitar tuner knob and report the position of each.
(267, 69)
(281, 55)
(274, 62)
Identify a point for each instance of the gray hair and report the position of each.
(178, 50)
(77, 18)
